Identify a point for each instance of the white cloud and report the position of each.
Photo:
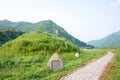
(116, 3)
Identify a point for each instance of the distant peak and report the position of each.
(50, 21)
(5, 20)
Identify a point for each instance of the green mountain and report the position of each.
(46, 26)
(7, 35)
(50, 27)
(15, 25)
(38, 42)
(112, 40)
(6, 28)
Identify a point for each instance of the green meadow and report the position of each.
(34, 67)
(26, 58)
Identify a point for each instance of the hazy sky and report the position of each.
(85, 19)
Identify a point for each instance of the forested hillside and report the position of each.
(7, 34)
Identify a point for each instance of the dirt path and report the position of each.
(91, 71)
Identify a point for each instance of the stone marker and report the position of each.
(77, 54)
(55, 62)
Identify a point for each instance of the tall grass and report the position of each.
(113, 70)
(38, 42)
(34, 67)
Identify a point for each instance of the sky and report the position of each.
(84, 19)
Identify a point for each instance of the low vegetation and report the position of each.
(26, 57)
(113, 70)
(33, 67)
(37, 43)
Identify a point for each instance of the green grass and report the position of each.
(113, 71)
(34, 67)
(37, 42)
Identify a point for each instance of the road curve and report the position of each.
(91, 71)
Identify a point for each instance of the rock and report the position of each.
(77, 54)
(55, 62)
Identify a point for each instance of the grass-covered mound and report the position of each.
(38, 42)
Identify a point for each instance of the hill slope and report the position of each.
(112, 40)
(39, 42)
(15, 25)
(46, 26)
(7, 34)
(50, 27)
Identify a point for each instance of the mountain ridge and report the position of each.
(46, 26)
(51, 27)
(16, 25)
(112, 40)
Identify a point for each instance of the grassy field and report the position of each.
(34, 67)
(113, 70)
